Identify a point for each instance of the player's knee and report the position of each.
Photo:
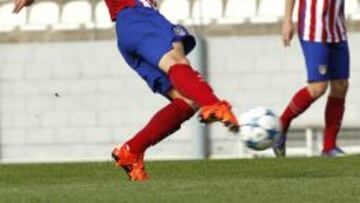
(339, 87)
(318, 89)
(177, 60)
(191, 103)
(182, 60)
(174, 94)
(172, 58)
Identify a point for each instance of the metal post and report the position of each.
(1, 146)
(200, 134)
(319, 140)
(309, 142)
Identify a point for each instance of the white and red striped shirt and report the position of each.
(322, 21)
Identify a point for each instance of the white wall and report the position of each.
(103, 102)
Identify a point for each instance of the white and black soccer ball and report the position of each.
(259, 128)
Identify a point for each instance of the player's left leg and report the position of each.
(334, 112)
(163, 123)
(335, 107)
(130, 156)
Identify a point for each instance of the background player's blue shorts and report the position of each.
(144, 36)
(326, 61)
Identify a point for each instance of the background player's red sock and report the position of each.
(162, 124)
(190, 83)
(334, 112)
(299, 103)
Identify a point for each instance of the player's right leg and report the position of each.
(191, 84)
(317, 61)
(301, 101)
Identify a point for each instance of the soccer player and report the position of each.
(156, 50)
(323, 38)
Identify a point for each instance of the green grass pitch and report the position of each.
(258, 180)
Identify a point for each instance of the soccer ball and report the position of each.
(259, 128)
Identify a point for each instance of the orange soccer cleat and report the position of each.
(133, 164)
(220, 111)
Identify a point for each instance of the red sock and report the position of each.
(190, 83)
(163, 123)
(299, 103)
(333, 117)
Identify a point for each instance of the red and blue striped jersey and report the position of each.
(115, 6)
(322, 21)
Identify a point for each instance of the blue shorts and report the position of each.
(326, 61)
(144, 37)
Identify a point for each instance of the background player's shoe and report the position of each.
(336, 152)
(221, 112)
(279, 146)
(133, 164)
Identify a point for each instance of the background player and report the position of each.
(322, 33)
(156, 50)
